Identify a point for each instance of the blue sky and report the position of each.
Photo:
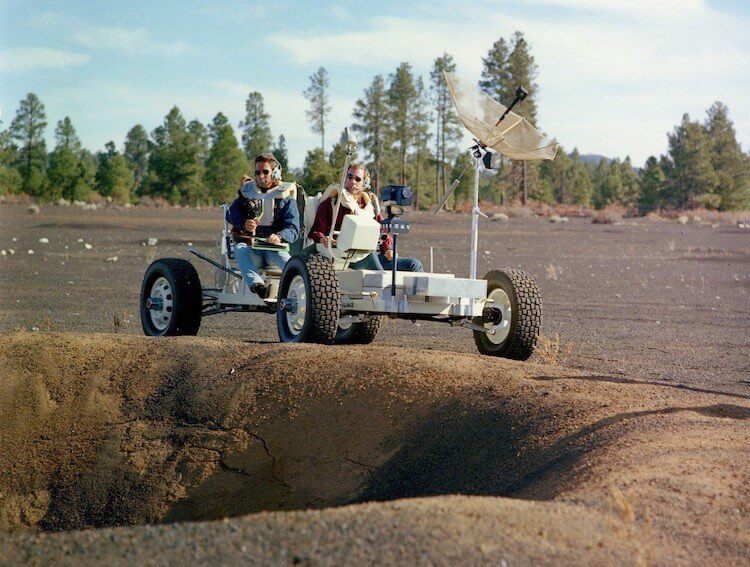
(614, 76)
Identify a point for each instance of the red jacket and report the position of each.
(322, 225)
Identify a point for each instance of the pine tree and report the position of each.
(10, 179)
(582, 188)
(556, 179)
(317, 94)
(136, 152)
(447, 124)
(201, 137)
(337, 157)
(64, 171)
(522, 71)
(496, 80)
(652, 183)
(256, 134)
(420, 130)
(371, 123)
(402, 96)
(693, 181)
(630, 186)
(728, 160)
(281, 154)
(114, 178)
(607, 181)
(317, 173)
(175, 167)
(225, 163)
(28, 129)
(84, 189)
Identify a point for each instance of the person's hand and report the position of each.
(324, 241)
(250, 225)
(388, 255)
(274, 239)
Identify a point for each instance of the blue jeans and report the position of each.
(251, 261)
(403, 265)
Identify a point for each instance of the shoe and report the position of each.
(259, 289)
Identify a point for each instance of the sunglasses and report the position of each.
(350, 176)
(263, 171)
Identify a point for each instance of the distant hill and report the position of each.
(593, 159)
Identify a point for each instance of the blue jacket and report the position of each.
(285, 218)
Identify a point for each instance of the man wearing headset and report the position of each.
(279, 222)
(357, 184)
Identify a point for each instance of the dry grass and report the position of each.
(551, 350)
(700, 215)
(552, 272)
(609, 215)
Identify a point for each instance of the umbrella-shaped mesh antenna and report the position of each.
(513, 137)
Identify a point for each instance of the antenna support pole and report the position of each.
(475, 216)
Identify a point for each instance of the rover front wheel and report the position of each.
(308, 303)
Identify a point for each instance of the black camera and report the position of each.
(252, 208)
(399, 195)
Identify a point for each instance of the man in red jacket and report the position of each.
(354, 185)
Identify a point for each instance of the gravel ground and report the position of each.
(623, 440)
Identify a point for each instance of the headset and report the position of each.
(276, 174)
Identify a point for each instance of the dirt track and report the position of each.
(632, 447)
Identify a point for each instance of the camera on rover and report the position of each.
(399, 195)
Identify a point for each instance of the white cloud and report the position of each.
(613, 75)
(30, 58)
(128, 106)
(126, 40)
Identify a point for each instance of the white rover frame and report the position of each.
(503, 309)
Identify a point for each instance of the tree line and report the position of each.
(409, 133)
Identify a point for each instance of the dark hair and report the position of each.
(267, 158)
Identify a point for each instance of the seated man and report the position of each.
(278, 223)
(354, 201)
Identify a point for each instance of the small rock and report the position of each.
(30, 251)
(35, 329)
(33, 209)
(44, 240)
(11, 251)
(3, 253)
(14, 239)
(79, 240)
(500, 217)
(112, 259)
(152, 241)
(87, 246)
(683, 219)
(487, 252)
(555, 219)
(741, 224)
(190, 243)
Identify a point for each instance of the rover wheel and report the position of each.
(360, 333)
(308, 303)
(171, 299)
(515, 315)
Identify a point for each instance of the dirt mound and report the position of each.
(106, 430)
